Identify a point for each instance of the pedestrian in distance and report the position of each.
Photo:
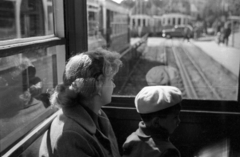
(82, 128)
(220, 36)
(187, 33)
(227, 32)
(159, 108)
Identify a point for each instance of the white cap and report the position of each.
(155, 98)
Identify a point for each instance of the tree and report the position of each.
(234, 7)
(128, 3)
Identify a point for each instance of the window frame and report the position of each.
(73, 34)
(65, 28)
(76, 31)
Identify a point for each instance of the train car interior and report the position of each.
(39, 36)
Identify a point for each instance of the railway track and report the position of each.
(185, 66)
(171, 63)
(196, 83)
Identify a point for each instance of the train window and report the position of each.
(179, 21)
(30, 68)
(26, 81)
(25, 18)
(106, 24)
(189, 50)
(7, 20)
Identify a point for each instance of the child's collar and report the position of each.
(146, 132)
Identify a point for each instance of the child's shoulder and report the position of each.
(133, 137)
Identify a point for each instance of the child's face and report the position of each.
(171, 122)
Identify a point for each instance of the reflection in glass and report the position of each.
(26, 82)
(95, 25)
(8, 28)
(25, 18)
(107, 25)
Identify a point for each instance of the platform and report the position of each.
(228, 56)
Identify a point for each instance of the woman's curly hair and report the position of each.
(80, 75)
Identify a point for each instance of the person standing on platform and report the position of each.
(227, 32)
(187, 33)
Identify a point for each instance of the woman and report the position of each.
(83, 129)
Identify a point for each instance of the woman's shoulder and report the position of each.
(72, 142)
(63, 123)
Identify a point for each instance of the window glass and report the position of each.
(8, 28)
(50, 26)
(201, 56)
(96, 30)
(179, 21)
(26, 82)
(25, 18)
(108, 24)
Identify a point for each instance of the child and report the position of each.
(159, 108)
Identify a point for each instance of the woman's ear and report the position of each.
(99, 84)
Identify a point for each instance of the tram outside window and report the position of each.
(109, 21)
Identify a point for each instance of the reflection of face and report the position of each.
(25, 97)
(171, 122)
(107, 90)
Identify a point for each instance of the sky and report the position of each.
(118, 1)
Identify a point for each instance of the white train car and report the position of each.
(175, 19)
(108, 25)
(153, 25)
(140, 24)
(156, 28)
